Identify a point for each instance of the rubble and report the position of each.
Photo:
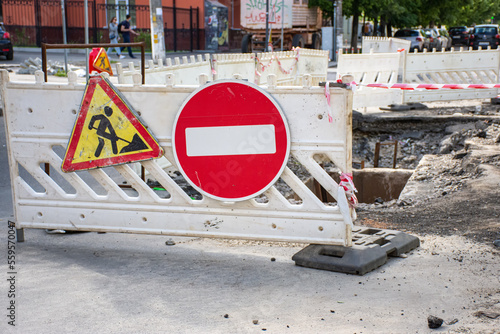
(434, 322)
(30, 66)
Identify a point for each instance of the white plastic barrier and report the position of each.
(38, 130)
(313, 62)
(186, 72)
(372, 68)
(456, 67)
(384, 44)
(290, 66)
(282, 64)
(226, 65)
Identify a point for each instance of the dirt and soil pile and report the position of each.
(456, 156)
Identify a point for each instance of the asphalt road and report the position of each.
(126, 283)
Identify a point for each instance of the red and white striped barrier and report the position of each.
(405, 86)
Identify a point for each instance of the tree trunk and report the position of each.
(382, 26)
(355, 23)
(389, 29)
(375, 27)
(354, 37)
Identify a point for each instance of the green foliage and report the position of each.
(61, 73)
(409, 13)
(21, 37)
(144, 36)
(325, 5)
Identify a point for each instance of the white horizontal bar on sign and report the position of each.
(230, 140)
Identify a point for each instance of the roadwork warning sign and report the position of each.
(101, 62)
(107, 132)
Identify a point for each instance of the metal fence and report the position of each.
(32, 22)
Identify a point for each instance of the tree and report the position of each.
(410, 13)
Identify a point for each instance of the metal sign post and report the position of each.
(86, 5)
(266, 43)
(63, 14)
(157, 35)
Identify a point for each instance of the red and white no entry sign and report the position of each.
(231, 140)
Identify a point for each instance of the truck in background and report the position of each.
(301, 25)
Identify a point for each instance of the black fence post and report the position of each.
(191, 26)
(198, 27)
(175, 26)
(66, 19)
(38, 23)
(94, 23)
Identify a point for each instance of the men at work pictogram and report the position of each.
(106, 131)
(102, 63)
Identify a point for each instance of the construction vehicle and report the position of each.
(293, 19)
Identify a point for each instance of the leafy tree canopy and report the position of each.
(408, 13)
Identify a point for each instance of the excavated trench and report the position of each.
(405, 138)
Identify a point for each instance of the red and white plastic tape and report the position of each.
(263, 66)
(349, 188)
(407, 86)
(410, 86)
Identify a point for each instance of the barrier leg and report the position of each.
(371, 249)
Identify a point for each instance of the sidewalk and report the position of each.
(79, 54)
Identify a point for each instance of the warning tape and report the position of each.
(405, 86)
(327, 95)
(273, 58)
(349, 188)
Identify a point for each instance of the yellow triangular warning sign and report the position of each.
(101, 62)
(107, 131)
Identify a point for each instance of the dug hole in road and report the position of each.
(121, 283)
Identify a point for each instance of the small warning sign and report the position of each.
(101, 62)
(107, 131)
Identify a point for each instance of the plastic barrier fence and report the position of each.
(289, 67)
(384, 44)
(226, 65)
(372, 68)
(455, 67)
(186, 71)
(116, 199)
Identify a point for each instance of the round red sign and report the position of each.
(231, 140)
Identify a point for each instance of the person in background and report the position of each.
(125, 31)
(113, 37)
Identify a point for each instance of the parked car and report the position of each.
(459, 35)
(485, 35)
(444, 34)
(6, 48)
(442, 39)
(435, 39)
(416, 36)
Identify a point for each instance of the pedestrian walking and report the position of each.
(113, 37)
(125, 30)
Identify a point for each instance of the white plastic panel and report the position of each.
(384, 44)
(38, 129)
(185, 70)
(372, 68)
(457, 67)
